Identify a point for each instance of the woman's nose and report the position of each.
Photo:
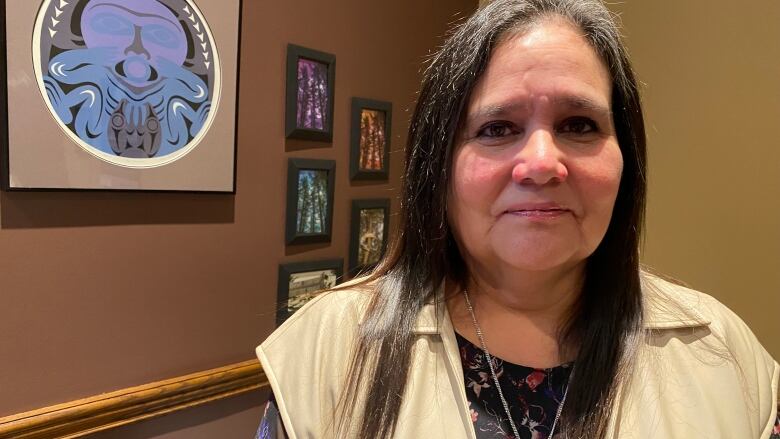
(539, 161)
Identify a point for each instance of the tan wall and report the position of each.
(711, 74)
(102, 291)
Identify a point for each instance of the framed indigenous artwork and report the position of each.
(310, 186)
(300, 282)
(369, 157)
(368, 233)
(311, 76)
(120, 94)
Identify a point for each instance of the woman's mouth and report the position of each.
(537, 210)
(538, 213)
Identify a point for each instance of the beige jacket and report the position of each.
(700, 372)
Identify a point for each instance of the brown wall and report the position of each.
(103, 291)
(711, 85)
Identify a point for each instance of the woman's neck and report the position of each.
(520, 314)
(550, 293)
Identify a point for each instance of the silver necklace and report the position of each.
(495, 377)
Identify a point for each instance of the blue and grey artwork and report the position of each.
(312, 211)
(130, 78)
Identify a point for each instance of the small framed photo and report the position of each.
(311, 77)
(368, 233)
(370, 139)
(310, 186)
(300, 282)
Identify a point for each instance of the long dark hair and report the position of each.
(607, 320)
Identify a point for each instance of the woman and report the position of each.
(512, 303)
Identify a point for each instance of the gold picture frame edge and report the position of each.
(109, 410)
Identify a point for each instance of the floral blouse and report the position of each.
(533, 396)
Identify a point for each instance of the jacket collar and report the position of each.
(670, 305)
(666, 306)
(430, 318)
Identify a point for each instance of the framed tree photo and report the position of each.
(119, 94)
(300, 282)
(310, 185)
(369, 157)
(311, 77)
(368, 233)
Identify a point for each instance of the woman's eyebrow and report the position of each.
(572, 102)
(499, 110)
(575, 102)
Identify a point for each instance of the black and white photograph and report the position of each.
(299, 282)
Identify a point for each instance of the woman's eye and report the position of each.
(496, 130)
(578, 125)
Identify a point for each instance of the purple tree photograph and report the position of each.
(311, 80)
(312, 102)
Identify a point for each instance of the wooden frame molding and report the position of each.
(80, 417)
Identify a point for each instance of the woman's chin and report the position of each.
(537, 265)
(537, 257)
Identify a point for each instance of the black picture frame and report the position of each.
(287, 271)
(292, 129)
(293, 233)
(4, 167)
(355, 263)
(357, 172)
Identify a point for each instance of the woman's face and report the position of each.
(537, 165)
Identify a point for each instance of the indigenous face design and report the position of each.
(141, 39)
(537, 166)
(129, 78)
